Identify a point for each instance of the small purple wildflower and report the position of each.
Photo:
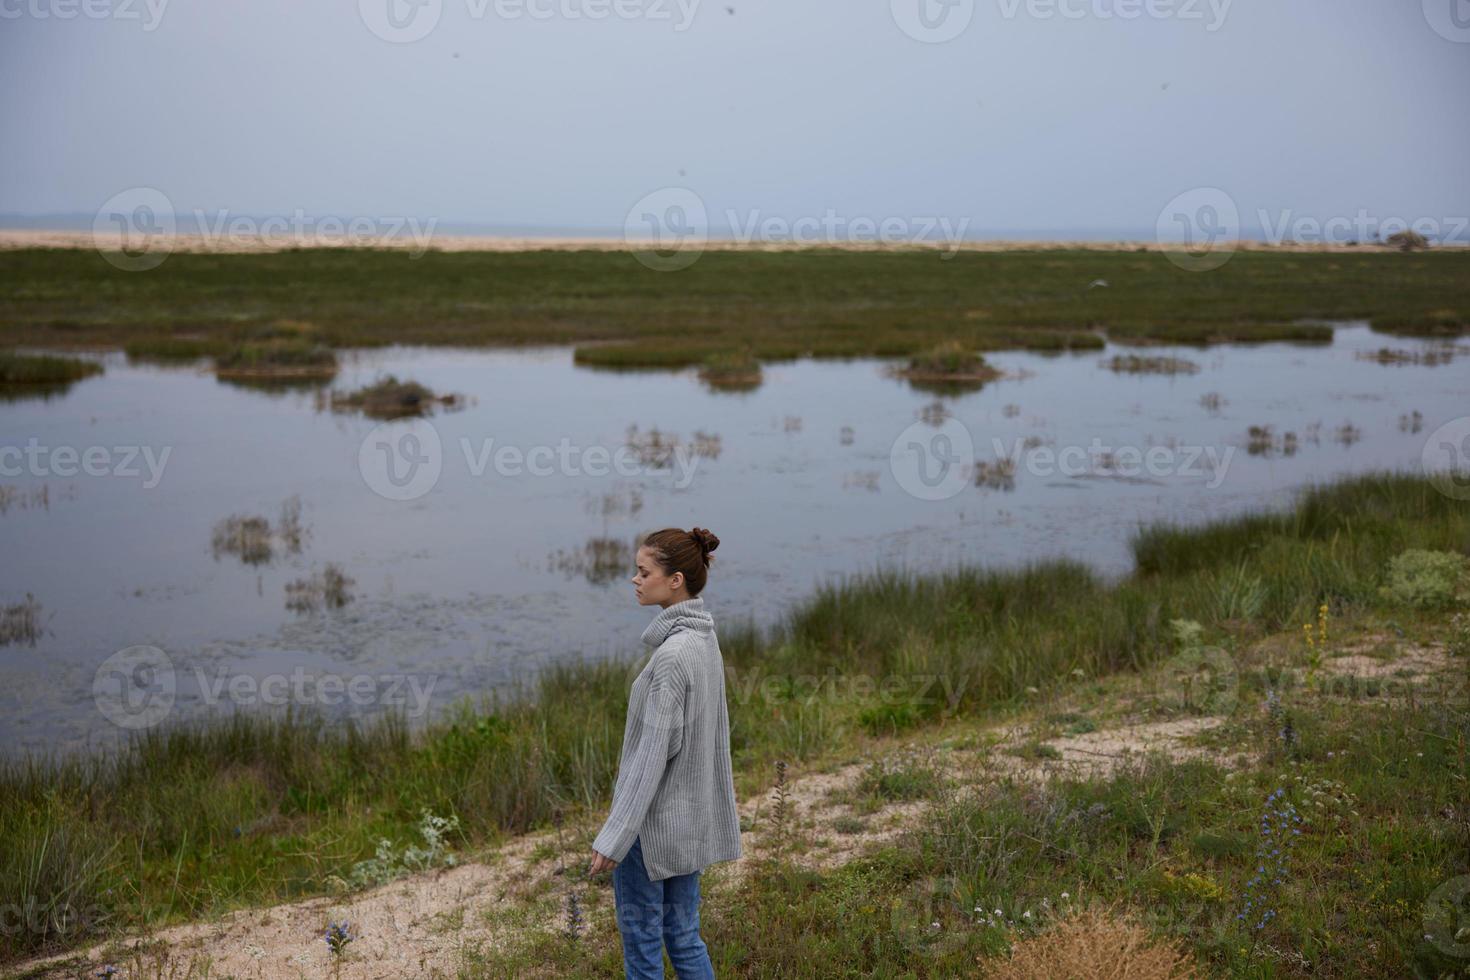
(1280, 826)
(338, 936)
(574, 922)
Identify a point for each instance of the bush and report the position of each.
(1424, 579)
(387, 863)
(1407, 240)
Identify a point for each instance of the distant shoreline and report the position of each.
(766, 304)
(197, 242)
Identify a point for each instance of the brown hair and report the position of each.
(677, 550)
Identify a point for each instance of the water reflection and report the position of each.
(491, 573)
(275, 386)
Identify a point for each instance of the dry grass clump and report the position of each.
(388, 398)
(20, 623)
(330, 589)
(950, 361)
(1095, 943)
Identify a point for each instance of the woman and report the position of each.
(673, 810)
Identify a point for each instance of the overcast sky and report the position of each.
(1035, 116)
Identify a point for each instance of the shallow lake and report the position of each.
(497, 536)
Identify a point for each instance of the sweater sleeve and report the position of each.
(660, 738)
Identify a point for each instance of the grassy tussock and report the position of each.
(732, 370)
(277, 358)
(43, 369)
(389, 398)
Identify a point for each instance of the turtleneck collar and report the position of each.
(687, 615)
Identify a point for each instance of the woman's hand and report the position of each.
(601, 864)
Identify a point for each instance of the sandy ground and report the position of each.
(197, 242)
(427, 925)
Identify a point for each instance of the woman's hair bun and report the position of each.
(706, 540)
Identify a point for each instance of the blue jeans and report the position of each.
(655, 914)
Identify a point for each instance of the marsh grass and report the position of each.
(331, 588)
(247, 536)
(254, 541)
(191, 819)
(950, 361)
(998, 474)
(388, 398)
(731, 371)
(600, 560)
(280, 359)
(1434, 323)
(27, 376)
(20, 622)
(43, 369)
(36, 496)
(167, 349)
(1433, 357)
(949, 368)
(784, 305)
(659, 449)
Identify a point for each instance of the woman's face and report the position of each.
(652, 585)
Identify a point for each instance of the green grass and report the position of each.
(737, 370)
(271, 358)
(903, 778)
(1379, 781)
(947, 359)
(43, 369)
(950, 360)
(195, 820)
(776, 305)
(171, 349)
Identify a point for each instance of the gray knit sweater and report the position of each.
(675, 790)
